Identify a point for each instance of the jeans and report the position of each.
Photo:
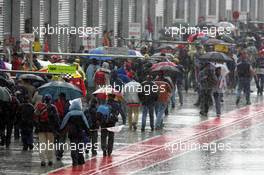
(159, 110)
(179, 90)
(149, 108)
(243, 84)
(217, 99)
(173, 98)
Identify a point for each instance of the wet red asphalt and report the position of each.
(136, 157)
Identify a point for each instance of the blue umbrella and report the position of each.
(100, 51)
(111, 51)
(54, 88)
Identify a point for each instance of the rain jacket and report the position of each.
(149, 94)
(90, 74)
(92, 119)
(164, 91)
(52, 125)
(75, 112)
(25, 115)
(123, 75)
(207, 79)
(131, 93)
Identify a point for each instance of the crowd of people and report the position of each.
(136, 84)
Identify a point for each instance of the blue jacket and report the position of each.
(75, 110)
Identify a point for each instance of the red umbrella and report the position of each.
(103, 92)
(162, 64)
(193, 37)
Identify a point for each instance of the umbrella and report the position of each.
(101, 51)
(111, 51)
(227, 38)
(215, 57)
(5, 95)
(31, 77)
(159, 56)
(162, 64)
(166, 68)
(225, 24)
(224, 69)
(213, 41)
(6, 83)
(166, 47)
(56, 87)
(105, 91)
(135, 52)
(195, 36)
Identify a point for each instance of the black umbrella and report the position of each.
(215, 57)
(166, 69)
(56, 87)
(6, 83)
(31, 77)
(5, 94)
(166, 47)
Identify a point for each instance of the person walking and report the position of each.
(244, 72)
(94, 124)
(74, 124)
(62, 105)
(47, 126)
(148, 98)
(162, 102)
(26, 123)
(133, 103)
(207, 81)
(107, 114)
(260, 72)
(217, 91)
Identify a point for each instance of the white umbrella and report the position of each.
(224, 69)
(225, 24)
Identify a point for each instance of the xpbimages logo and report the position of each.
(211, 31)
(66, 30)
(81, 147)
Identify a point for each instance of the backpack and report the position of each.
(105, 112)
(99, 78)
(42, 113)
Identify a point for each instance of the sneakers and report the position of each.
(134, 126)
(94, 153)
(142, 129)
(237, 101)
(25, 147)
(43, 164)
(203, 114)
(104, 153)
(50, 163)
